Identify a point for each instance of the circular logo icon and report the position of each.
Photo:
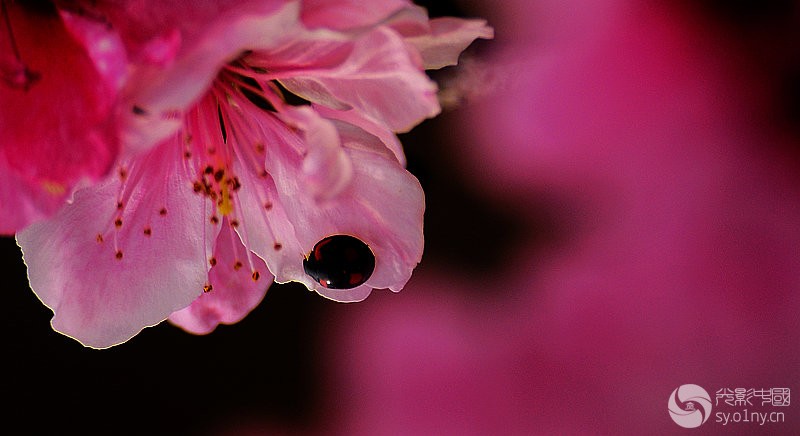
(689, 406)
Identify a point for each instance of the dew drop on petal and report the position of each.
(340, 262)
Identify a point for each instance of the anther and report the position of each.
(237, 266)
(118, 255)
(277, 246)
(148, 231)
(163, 211)
(212, 261)
(256, 276)
(118, 223)
(207, 288)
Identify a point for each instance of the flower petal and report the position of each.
(158, 94)
(23, 201)
(348, 14)
(446, 38)
(382, 206)
(356, 120)
(235, 290)
(326, 167)
(118, 259)
(55, 119)
(374, 74)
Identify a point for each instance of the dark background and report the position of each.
(270, 367)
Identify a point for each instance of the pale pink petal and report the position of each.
(446, 39)
(55, 117)
(118, 259)
(374, 74)
(234, 291)
(355, 120)
(349, 14)
(326, 167)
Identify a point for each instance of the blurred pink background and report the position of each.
(613, 212)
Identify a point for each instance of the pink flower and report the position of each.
(241, 185)
(58, 90)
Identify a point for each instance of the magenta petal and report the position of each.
(376, 74)
(55, 117)
(103, 46)
(235, 290)
(348, 14)
(22, 201)
(117, 260)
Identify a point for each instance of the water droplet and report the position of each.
(340, 262)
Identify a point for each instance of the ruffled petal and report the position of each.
(446, 38)
(55, 120)
(375, 74)
(355, 120)
(236, 287)
(124, 254)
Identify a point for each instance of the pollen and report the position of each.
(54, 188)
(225, 204)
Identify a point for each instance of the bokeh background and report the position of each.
(612, 212)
